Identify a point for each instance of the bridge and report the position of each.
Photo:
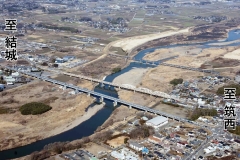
(120, 86)
(156, 63)
(113, 99)
(118, 55)
(101, 96)
(131, 87)
(125, 86)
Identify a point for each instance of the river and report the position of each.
(88, 127)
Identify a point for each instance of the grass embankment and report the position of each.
(220, 90)
(198, 112)
(34, 108)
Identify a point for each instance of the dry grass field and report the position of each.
(17, 129)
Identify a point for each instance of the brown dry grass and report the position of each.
(35, 127)
(116, 142)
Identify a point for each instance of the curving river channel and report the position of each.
(88, 127)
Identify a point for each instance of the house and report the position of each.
(179, 150)
(23, 68)
(209, 150)
(68, 58)
(202, 131)
(181, 144)
(2, 86)
(135, 145)
(177, 136)
(155, 139)
(117, 155)
(144, 118)
(59, 60)
(203, 119)
(228, 137)
(34, 70)
(157, 122)
(9, 79)
(237, 78)
(15, 74)
(191, 134)
(237, 142)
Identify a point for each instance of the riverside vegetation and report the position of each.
(34, 108)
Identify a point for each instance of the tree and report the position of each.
(44, 9)
(126, 140)
(55, 65)
(176, 81)
(44, 64)
(141, 121)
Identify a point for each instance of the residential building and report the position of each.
(68, 58)
(59, 60)
(154, 139)
(135, 146)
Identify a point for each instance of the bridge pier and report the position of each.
(76, 91)
(130, 107)
(101, 85)
(119, 87)
(101, 99)
(115, 103)
(64, 87)
(88, 94)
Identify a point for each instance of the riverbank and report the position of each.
(128, 44)
(19, 130)
(133, 77)
(65, 127)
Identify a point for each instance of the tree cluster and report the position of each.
(102, 136)
(34, 108)
(115, 70)
(176, 81)
(237, 131)
(141, 132)
(50, 26)
(198, 112)
(59, 147)
(2, 81)
(85, 19)
(220, 90)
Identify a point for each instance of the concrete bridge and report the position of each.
(113, 99)
(124, 86)
(118, 55)
(101, 96)
(119, 86)
(156, 63)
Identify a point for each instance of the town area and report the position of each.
(126, 80)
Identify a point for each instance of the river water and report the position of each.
(88, 127)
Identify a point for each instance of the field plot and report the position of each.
(138, 19)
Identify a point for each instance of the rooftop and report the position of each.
(157, 120)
